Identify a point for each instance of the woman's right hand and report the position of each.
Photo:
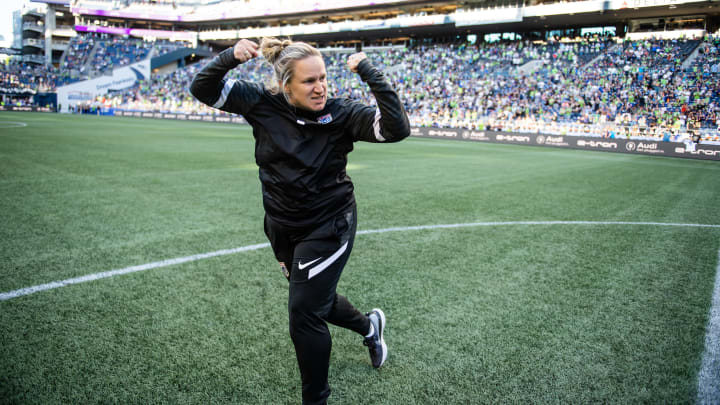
(245, 49)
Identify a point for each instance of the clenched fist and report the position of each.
(245, 49)
(354, 60)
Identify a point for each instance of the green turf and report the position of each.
(488, 314)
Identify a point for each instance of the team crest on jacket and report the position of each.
(325, 119)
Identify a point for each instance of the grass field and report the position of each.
(558, 313)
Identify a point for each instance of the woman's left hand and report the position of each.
(354, 60)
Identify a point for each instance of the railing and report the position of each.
(34, 42)
(33, 58)
(33, 10)
(60, 45)
(33, 26)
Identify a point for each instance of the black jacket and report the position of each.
(302, 154)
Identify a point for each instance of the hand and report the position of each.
(354, 60)
(245, 49)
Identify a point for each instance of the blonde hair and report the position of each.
(282, 55)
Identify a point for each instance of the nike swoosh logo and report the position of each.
(302, 266)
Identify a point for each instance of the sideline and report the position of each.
(709, 375)
(170, 262)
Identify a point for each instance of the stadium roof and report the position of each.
(60, 2)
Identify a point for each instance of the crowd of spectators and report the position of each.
(166, 93)
(75, 58)
(632, 88)
(90, 54)
(701, 86)
(20, 81)
(416, 73)
(27, 78)
(601, 88)
(115, 51)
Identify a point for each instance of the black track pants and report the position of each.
(312, 260)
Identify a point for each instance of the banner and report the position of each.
(231, 119)
(634, 146)
(25, 108)
(87, 90)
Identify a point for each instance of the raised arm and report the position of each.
(386, 123)
(236, 96)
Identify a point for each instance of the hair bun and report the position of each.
(272, 47)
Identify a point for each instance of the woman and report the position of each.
(302, 139)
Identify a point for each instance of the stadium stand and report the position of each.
(114, 52)
(77, 56)
(599, 87)
(91, 54)
(28, 78)
(88, 55)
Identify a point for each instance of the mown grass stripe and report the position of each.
(170, 262)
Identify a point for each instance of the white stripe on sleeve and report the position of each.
(225, 91)
(327, 262)
(376, 126)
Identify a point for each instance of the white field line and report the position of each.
(170, 262)
(126, 270)
(474, 224)
(12, 124)
(709, 375)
